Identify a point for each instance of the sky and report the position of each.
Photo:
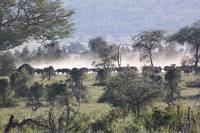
(114, 19)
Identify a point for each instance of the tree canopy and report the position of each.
(7, 64)
(191, 36)
(128, 90)
(148, 41)
(41, 20)
(106, 53)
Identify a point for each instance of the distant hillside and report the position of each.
(127, 17)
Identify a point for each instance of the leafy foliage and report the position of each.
(106, 53)
(131, 91)
(22, 83)
(148, 41)
(189, 35)
(35, 92)
(102, 76)
(41, 20)
(173, 77)
(7, 64)
(3, 91)
(55, 90)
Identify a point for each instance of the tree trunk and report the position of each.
(5, 99)
(150, 57)
(187, 124)
(172, 89)
(118, 56)
(134, 108)
(138, 109)
(196, 57)
(1, 15)
(49, 77)
(179, 120)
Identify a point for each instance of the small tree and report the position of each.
(7, 64)
(77, 76)
(56, 90)
(102, 75)
(35, 92)
(22, 82)
(106, 53)
(131, 91)
(12, 79)
(147, 42)
(3, 91)
(173, 77)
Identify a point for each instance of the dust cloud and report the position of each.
(128, 59)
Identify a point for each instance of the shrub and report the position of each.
(131, 91)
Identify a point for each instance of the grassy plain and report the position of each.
(89, 106)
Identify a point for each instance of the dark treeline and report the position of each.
(49, 52)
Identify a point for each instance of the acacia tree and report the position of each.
(148, 41)
(106, 53)
(191, 36)
(42, 20)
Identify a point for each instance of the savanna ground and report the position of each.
(90, 108)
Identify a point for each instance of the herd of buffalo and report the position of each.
(184, 69)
